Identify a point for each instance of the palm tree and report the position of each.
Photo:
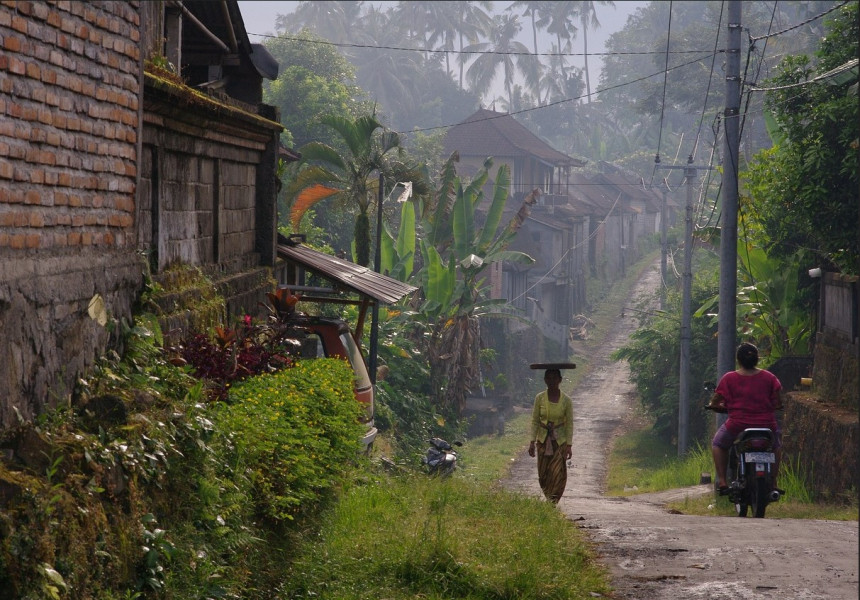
(391, 75)
(324, 172)
(534, 10)
(588, 18)
(330, 20)
(503, 51)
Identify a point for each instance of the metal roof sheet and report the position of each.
(356, 278)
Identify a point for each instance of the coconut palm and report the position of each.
(588, 18)
(330, 20)
(472, 20)
(503, 51)
(351, 176)
(535, 11)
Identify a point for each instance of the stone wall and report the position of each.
(824, 439)
(69, 115)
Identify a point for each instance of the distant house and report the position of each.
(132, 132)
(581, 225)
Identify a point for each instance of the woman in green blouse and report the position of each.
(552, 435)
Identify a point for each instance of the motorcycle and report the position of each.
(749, 472)
(441, 458)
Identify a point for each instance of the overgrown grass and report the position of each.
(413, 536)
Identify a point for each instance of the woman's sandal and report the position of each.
(724, 490)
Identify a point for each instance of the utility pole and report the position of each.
(377, 266)
(727, 327)
(663, 250)
(690, 171)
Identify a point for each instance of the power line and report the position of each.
(466, 52)
(665, 79)
(565, 100)
(801, 24)
(708, 90)
(851, 64)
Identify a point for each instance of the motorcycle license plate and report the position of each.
(759, 457)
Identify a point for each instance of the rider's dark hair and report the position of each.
(747, 355)
(556, 371)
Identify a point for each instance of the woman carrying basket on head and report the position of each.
(552, 435)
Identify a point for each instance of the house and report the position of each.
(132, 137)
(580, 226)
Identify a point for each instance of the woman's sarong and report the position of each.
(552, 471)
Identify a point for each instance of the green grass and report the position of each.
(412, 536)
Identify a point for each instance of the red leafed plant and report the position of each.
(232, 354)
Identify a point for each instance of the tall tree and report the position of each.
(805, 188)
(588, 18)
(472, 20)
(331, 20)
(502, 51)
(352, 176)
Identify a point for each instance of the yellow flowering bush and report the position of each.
(295, 432)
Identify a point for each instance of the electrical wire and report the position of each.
(708, 90)
(469, 52)
(801, 24)
(663, 103)
(562, 101)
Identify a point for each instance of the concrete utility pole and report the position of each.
(727, 327)
(690, 171)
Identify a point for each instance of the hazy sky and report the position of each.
(260, 17)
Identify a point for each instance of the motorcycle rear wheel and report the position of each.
(759, 493)
(741, 508)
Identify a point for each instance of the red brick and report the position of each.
(60, 239)
(37, 219)
(7, 219)
(19, 24)
(33, 71)
(74, 238)
(12, 43)
(87, 239)
(32, 197)
(4, 240)
(16, 65)
(33, 240)
(17, 241)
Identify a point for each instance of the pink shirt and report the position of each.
(750, 399)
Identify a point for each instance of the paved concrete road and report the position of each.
(653, 554)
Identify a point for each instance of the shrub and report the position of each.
(296, 432)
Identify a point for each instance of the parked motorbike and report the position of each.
(441, 458)
(750, 471)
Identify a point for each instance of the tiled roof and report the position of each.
(489, 133)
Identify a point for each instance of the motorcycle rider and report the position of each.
(750, 396)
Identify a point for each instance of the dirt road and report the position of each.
(655, 555)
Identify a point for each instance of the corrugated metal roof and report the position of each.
(344, 273)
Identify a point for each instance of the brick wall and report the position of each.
(69, 118)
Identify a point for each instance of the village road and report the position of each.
(653, 554)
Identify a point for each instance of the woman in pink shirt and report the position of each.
(750, 396)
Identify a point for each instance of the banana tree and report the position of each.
(767, 304)
(455, 253)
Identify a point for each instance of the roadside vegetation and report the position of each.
(640, 462)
